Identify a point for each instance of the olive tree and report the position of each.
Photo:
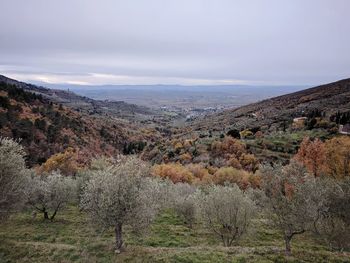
(184, 202)
(226, 211)
(292, 199)
(12, 176)
(121, 194)
(50, 193)
(333, 221)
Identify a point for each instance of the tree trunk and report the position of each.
(46, 215)
(53, 215)
(118, 238)
(287, 240)
(55, 212)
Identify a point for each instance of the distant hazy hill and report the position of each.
(328, 98)
(184, 97)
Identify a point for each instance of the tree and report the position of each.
(234, 134)
(12, 176)
(173, 171)
(226, 211)
(292, 199)
(64, 162)
(312, 155)
(231, 175)
(338, 157)
(121, 194)
(50, 193)
(333, 221)
(184, 202)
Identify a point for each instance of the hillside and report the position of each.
(81, 103)
(46, 127)
(266, 128)
(328, 98)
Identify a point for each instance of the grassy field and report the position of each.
(71, 238)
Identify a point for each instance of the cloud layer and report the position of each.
(175, 42)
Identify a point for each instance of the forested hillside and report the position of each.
(46, 127)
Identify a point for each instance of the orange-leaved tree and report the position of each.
(64, 162)
(312, 154)
(338, 157)
(174, 171)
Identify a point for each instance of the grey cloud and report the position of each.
(272, 41)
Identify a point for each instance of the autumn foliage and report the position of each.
(331, 157)
(312, 154)
(173, 171)
(234, 153)
(64, 162)
(232, 175)
(338, 157)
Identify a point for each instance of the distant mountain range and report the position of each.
(183, 97)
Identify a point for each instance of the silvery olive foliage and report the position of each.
(50, 193)
(122, 194)
(333, 221)
(226, 210)
(184, 202)
(293, 199)
(12, 176)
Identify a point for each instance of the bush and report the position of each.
(233, 176)
(12, 176)
(48, 194)
(333, 221)
(226, 211)
(292, 199)
(174, 172)
(121, 194)
(184, 202)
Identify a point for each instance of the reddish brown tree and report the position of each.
(312, 154)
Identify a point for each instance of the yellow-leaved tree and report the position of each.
(64, 162)
(338, 157)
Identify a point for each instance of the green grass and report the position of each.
(71, 238)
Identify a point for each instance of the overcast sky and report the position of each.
(175, 42)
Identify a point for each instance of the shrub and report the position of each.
(226, 211)
(184, 202)
(12, 176)
(174, 172)
(333, 221)
(50, 193)
(121, 194)
(233, 176)
(292, 199)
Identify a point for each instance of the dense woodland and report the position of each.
(81, 188)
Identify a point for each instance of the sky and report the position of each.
(187, 42)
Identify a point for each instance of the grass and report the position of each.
(71, 238)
